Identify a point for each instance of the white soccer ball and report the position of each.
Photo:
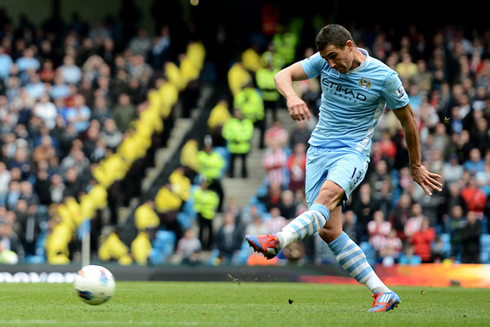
(95, 284)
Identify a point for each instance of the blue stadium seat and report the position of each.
(186, 219)
(369, 252)
(446, 240)
(240, 258)
(163, 246)
(485, 248)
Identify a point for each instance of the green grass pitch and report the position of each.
(240, 304)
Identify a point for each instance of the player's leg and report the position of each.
(351, 257)
(347, 174)
(306, 224)
(309, 222)
(329, 196)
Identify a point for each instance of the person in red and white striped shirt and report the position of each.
(274, 163)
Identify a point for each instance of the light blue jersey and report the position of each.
(351, 106)
(353, 102)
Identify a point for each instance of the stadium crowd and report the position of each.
(68, 101)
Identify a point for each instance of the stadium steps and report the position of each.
(244, 189)
(179, 131)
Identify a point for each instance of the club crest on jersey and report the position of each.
(365, 83)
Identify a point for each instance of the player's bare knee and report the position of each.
(329, 234)
(323, 233)
(330, 197)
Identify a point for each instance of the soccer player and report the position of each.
(355, 90)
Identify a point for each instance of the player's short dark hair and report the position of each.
(333, 34)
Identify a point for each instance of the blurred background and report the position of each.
(118, 125)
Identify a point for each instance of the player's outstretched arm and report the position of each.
(298, 110)
(427, 180)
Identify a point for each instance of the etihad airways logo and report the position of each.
(342, 90)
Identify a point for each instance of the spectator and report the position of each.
(111, 134)
(28, 226)
(454, 226)
(100, 111)
(73, 183)
(483, 178)
(406, 68)
(13, 88)
(276, 134)
(205, 205)
(229, 238)
(265, 81)
(238, 132)
(27, 62)
(79, 114)
(46, 110)
(474, 196)
(390, 248)
(402, 212)
(423, 77)
(296, 165)
(139, 69)
(440, 251)
(378, 230)
(160, 51)
(249, 101)
(42, 186)
(452, 170)
(34, 86)
(364, 205)
(408, 257)
(57, 188)
(211, 164)
(189, 248)
(124, 112)
(387, 148)
(275, 221)
(5, 64)
(47, 72)
(475, 163)
(91, 135)
(287, 205)
(442, 140)
(480, 136)
(13, 195)
(422, 241)
(254, 222)
(414, 223)
(470, 235)
(300, 134)
(141, 43)
(377, 177)
(22, 162)
(349, 225)
(274, 163)
(72, 74)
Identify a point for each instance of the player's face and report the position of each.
(337, 58)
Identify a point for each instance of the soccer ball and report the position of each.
(95, 284)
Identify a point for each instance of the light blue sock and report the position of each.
(306, 224)
(353, 260)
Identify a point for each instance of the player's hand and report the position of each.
(298, 110)
(426, 179)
